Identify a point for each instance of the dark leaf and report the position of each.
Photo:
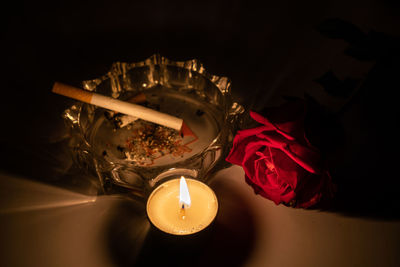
(336, 87)
(340, 29)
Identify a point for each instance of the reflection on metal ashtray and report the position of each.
(126, 152)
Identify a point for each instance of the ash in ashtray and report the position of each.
(150, 141)
(145, 142)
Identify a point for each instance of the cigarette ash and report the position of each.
(147, 141)
(150, 141)
(119, 120)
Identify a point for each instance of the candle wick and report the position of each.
(182, 213)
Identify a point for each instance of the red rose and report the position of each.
(279, 162)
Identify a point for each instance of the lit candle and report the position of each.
(182, 206)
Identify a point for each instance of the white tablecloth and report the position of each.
(42, 225)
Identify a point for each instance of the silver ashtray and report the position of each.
(130, 153)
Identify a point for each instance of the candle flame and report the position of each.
(184, 197)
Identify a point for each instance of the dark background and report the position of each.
(269, 49)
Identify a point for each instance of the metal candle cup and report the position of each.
(165, 211)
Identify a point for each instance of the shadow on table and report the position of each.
(227, 242)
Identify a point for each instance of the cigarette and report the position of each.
(118, 106)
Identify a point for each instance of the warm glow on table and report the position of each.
(164, 207)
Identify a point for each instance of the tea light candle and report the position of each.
(182, 206)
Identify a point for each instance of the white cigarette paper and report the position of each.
(119, 106)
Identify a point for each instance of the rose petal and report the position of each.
(306, 157)
(313, 188)
(238, 150)
(287, 170)
(257, 117)
(250, 156)
(289, 118)
(264, 176)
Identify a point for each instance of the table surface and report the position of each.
(44, 225)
